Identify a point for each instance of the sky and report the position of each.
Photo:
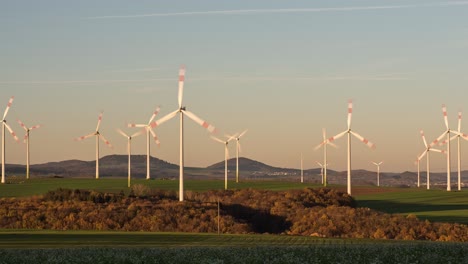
(281, 69)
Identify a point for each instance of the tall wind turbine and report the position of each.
(426, 153)
(26, 140)
(149, 131)
(5, 125)
(325, 163)
(98, 136)
(446, 133)
(129, 149)
(349, 132)
(226, 157)
(458, 136)
(183, 112)
(378, 171)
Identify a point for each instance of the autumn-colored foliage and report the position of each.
(309, 212)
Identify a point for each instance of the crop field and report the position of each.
(131, 247)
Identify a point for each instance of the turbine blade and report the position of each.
(8, 107)
(444, 112)
(217, 139)
(137, 125)
(99, 121)
(324, 134)
(331, 139)
(243, 133)
(13, 134)
(85, 137)
(350, 112)
(437, 140)
(363, 140)
(199, 121)
(227, 152)
(423, 137)
(231, 137)
(122, 133)
(333, 145)
(22, 125)
(35, 127)
(105, 140)
(437, 150)
(163, 119)
(25, 138)
(375, 163)
(181, 84)
(422, 155)
(155, 137)
(155, 113)
(139, 133)
(459, 121)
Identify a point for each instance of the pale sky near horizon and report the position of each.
(282, 69)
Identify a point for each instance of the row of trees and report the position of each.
(310, 212)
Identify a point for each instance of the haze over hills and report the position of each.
(116, 166)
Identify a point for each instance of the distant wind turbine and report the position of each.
(5, 125)
(426, 153)
(325, 163)
(149, 131)
(302, 168)
(349, 132)
(378, 171)
(322, 170)
(226, 157)
(129, 149)
(26, 140)
(183, 112)
(98, 136)
(238, 150)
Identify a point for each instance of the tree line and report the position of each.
(309, 212)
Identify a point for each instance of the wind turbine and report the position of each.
(322, 170)
(149, 131)
(417, 163)
(446, 133)
(183, 112)
(458, 136)
(238, 150)
(226, 157)
(5, 125)
(26, 140)
(98, 135)
(129, 149)
(324, 174)
(349, 132)
(378, 171)
(426, 153)
(302, 168)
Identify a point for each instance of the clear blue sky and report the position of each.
(282, 69)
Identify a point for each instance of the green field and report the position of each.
(130, 247)
(434, 205)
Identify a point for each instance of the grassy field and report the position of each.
(434, 205)
(129, 247)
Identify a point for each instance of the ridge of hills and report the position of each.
(116, 166)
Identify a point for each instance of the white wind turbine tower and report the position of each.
(446, 133)
(26, 140)
(325, 163)
(378, 171)
(183, 112)
(226, 157)
(417, 164)
(149, 131)
(238, 150)
(458, 136)
(129, 149)
(302, 168)
(322, 170)
(426, 153)
(5, 125)
(98, 135)
(350, 132)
